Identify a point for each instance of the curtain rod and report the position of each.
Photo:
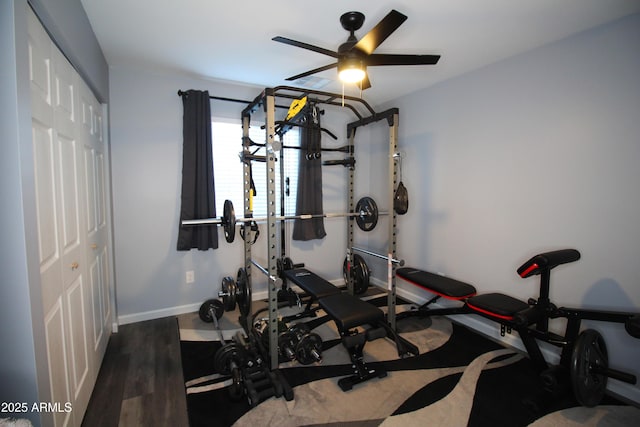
(220, 98)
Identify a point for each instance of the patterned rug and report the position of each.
(459, 379)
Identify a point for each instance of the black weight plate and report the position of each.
(286, 344)
(309, 349)
(229, 221)
(210, 305)
(222, 361)
(368, 207)
(244, 292)
(218, 308)
(300, 329)
(228, 294)
(632, 325)
(589, 360)
(280, 267)
(360, 274)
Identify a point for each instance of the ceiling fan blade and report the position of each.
(305, 46)
(384, 59)
(308, 73)
(380, 32)
(365, 83)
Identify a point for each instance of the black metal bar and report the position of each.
(343, 149)
(375, 117)
(301, 125)
(222, 98)
(599, 315)
(330, 97)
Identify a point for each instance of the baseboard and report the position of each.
(157, 314)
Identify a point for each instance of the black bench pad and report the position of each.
(497, 305)
(437, 284)
(349, 311)
(311, 283)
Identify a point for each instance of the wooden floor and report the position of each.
(140, 381)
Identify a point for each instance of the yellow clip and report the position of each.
(295, 107)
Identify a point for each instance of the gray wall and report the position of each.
(535, 153)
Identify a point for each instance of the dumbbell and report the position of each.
(307, 346)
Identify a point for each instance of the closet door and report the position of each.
(69, 298)
(95, 225)
(47, 183)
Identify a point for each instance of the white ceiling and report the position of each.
(231, 40)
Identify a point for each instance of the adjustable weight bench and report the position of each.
(583, 357)
(350, 313)
(313, 285)
(441, 286)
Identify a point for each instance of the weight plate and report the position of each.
(286, 345)
(300, 329)
(225, 357)
(209, 306)
(360, 274)
(228, 293)
(309, 349)
(367, 211)
(229, 221)
(218, 308)
(280, 267)
(244, 292)
(589, 360)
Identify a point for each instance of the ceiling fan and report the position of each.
(354, 56)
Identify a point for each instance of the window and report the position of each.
(227, 168)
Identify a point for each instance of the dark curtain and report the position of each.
(309, 197)
(198, 196)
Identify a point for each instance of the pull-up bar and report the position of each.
(222, 98)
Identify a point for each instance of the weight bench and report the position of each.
(583, 357)
(313, 285)
(349, 313)
(441, 286)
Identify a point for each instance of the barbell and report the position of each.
(366, 214)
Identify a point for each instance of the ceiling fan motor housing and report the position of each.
(352, 21)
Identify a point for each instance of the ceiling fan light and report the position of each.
(351, 71)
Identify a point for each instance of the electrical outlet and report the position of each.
(190, 276)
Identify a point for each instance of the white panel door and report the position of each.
(47, 182)
(95, 222)
(72, 268)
